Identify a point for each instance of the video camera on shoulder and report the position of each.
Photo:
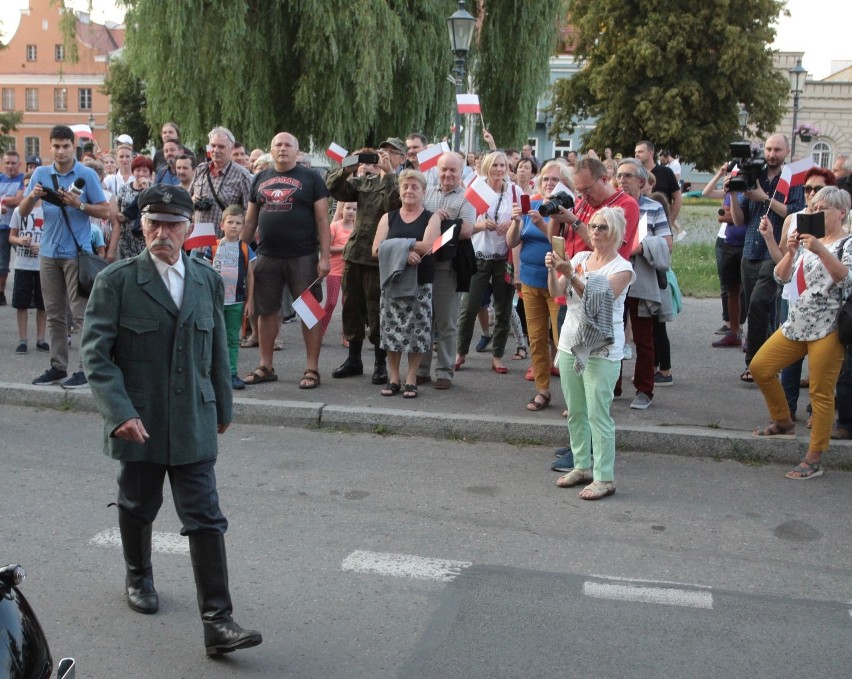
(750, 163)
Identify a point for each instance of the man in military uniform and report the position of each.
(376, 192)
(155, 351)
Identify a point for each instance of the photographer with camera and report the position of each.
(219, 182)
(71, 193)
(530, 230)
(753, 196)
(376, 191)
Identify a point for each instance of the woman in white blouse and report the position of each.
(821, 267)
(489, 244)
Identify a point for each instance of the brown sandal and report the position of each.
(776, 431)
(310, 379)
(535, 405)
(260, 375)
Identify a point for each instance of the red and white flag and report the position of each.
(83, 131)
(203, 235)
(444, 238)
(308, 308)
(336, 152)
(428, 157)
(468, 103)
(480, 195)
(735, 170)
(792, 175)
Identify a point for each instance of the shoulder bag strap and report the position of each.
(65, 213)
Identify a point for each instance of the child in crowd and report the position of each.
(231, 258)
(25, 233)
(340, 232)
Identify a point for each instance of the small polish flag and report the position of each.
(336, 152)
(308, 308)
(793, 175)
(82, 131)
(480, 195)
(203, 235)
(735, 170)
(428, 157)
(468, 103)
(641, 232)
(444, 238)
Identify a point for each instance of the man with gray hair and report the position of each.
(155, 350)
(646, 301)
(219, 182)
(842, 167)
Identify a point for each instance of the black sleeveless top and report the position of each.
(399, 228)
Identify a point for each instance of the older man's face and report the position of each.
(165, 239)
(449, 171)
(220, 150)
(285, 149)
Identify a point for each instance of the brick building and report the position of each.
(38, 77)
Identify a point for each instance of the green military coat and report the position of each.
(145, 358)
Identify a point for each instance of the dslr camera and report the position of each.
(556, 201)
(203, 204)
(750, 163)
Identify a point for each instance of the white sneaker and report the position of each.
(641, 402)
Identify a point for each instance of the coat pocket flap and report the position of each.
(204, 324)
(208, 395)
(139, 324)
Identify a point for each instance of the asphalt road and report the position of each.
(361, 555)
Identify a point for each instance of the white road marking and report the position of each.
(161, 543)
(404, 565)
(666, 596)
(649, 582)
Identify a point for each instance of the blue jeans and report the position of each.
(791, 376)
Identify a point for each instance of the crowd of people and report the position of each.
(365, 234)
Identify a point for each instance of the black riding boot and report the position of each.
(139, 581)
(352, 365)
(380, 374)
(210, 566)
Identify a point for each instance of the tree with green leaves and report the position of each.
(673, 74)
(128, 103)
(511, 64)
(9, 122)
(351, 71)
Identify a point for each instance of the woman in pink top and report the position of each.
(340, 232)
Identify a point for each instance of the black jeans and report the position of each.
(760, 292)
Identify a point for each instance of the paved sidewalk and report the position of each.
(706, 411)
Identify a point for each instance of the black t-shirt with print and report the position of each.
(666, 183)
(285, 203)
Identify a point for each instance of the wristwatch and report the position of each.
(82, 206)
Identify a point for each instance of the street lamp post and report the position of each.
(797, 83)
(743, 118)
(460, 25)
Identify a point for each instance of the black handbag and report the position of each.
(89, 265)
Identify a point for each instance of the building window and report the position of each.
(32, 99)
(8, 98)
(560, 150)
(60, 99)
(32, 146)
(821, 153)
(85, 100)
(11, 144)
(32, 52)
(60, 52)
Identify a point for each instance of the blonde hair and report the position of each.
(412, 174)
(489, 160)
(564, 173)
(617, 223)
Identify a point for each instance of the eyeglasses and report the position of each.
(598, 227)
(625, 175)
(809, 188)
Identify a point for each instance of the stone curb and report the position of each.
(674, 440)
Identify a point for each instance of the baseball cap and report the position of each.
(33, 160)
(124, 139)
(395, 143)
(165, 203)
